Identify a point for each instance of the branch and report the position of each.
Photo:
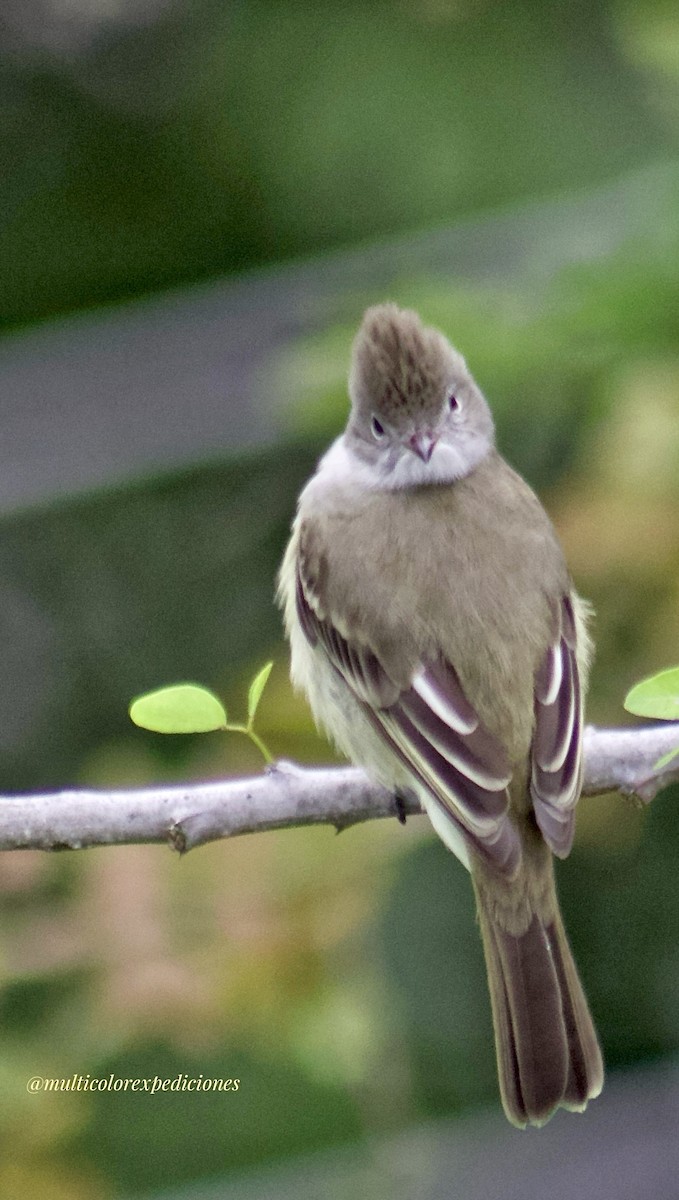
(286, 795)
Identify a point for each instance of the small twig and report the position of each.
(623, 760)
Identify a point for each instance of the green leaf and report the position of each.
(657, 696)
(256, 688)
(182, 708)
(666, 758)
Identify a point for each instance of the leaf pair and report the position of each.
(190, 708)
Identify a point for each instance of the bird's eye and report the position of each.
(377, 428)
(453, 403)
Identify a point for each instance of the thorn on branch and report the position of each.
(176, 838)
(340, 825)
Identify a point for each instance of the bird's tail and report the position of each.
(547, 1050)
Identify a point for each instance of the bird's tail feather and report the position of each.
(547, 1050)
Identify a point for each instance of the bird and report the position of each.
(437, 635)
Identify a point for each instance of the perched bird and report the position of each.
(437, 635)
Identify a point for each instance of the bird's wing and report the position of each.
(433, 730)
(556, 753)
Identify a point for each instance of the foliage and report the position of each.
(190, 708)
(657, 696)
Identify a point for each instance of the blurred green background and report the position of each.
(513, 172)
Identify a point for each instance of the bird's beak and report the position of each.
(422, 444)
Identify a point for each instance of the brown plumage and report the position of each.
(436, 632)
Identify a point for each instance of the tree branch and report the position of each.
(286, 795)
